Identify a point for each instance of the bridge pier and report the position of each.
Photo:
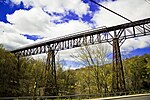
(50, 74)
(118, 80)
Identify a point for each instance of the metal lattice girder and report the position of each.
(89, 37)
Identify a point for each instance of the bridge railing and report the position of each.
(76, 97)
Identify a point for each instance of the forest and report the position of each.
(25, 77)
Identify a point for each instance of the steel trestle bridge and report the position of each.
(89, 37)
(115, 35)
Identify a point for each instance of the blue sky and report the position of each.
(24, 22)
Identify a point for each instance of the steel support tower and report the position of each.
(118, 80)
(50, 74)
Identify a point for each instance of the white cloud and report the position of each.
(10, 38)
(69, 28)
(59, 6)
(134, 43)
(33, 22)
(131, 9)
(36, 22)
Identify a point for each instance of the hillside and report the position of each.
(28, 77)
(136, 70)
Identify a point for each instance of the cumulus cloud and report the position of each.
(131, 9)
(9, 38)
(59, 6)
(134, 43)
(33, 22)
(37, 22)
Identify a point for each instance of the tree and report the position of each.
(66, 81)
(137, 72)
(85, 81)
(8, 74)
(94, 57)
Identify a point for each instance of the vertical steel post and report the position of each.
(118, 81)
(50, 72)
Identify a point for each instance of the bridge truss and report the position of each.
(89, 37)
(115, 35)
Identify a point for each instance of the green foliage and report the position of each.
(25, 76)
(137, 72)
(8, 74)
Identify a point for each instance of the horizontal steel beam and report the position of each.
(89, 37)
